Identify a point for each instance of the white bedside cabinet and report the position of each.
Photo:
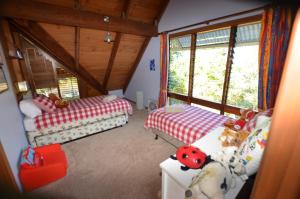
(175, 181)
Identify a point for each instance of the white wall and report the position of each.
(12, 134)
(144, 79)
(118, 92)
(179, 13)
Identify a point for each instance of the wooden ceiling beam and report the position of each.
(48, 13)
(34, 32)
(112, 59)
(145, 44)
(162, 10)
(116, 44)
(136, 62)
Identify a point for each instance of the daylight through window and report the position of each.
(221, 72)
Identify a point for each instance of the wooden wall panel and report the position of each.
(64, 35)
(91, 92)
(94, 52)
(65, 3)
(144, 11)
(110, 8)
(129, 48)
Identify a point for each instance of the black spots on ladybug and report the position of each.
(194, 152)
(184, 156)
(198, 161)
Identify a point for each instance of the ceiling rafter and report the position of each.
(145, 44)
(116, 45)
(112, 59)
(161, 11)
(46, 42)
(136, 62)
(48, 13)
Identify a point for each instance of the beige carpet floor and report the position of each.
(122, 163)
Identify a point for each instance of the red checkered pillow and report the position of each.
(251, 124)
(44, 103)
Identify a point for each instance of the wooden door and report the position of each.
(279, 174)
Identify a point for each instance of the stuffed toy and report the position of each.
(231, 137)
(53, 97)
(61, 103)
(236, 125)
(213, 181)
(190, 156)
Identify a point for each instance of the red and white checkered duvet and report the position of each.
(188, 126)
(81, 109)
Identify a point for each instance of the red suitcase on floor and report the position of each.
(50, 165)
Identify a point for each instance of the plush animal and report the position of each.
(191, 157)
(213, 181)
(231, 137)
(238, 124)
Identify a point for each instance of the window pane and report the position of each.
(68, 87)
(47, 91)
(176, 101)
(210, 64)
(243, 85)
(178, 74)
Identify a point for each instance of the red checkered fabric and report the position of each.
(44, 103)
(251, 124)
(187, 126)
(81, 109)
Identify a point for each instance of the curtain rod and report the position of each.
(218, 18)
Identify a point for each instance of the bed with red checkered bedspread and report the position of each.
(187, 126)
(80, 109)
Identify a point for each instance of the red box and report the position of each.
(51, 166)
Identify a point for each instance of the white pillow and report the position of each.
(109, 98)
(29, 109)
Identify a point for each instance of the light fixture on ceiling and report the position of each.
(108, 37)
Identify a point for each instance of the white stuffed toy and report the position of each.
(212, 182)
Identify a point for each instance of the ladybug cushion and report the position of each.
(190, 156)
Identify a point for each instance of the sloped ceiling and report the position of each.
(94, 53)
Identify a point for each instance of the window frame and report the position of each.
(222, 107)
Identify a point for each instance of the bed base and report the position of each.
(36, 138)
(169, 139)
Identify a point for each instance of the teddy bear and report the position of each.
(231, 137)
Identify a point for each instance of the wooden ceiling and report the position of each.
(77, 29)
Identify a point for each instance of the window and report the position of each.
(223, 63)
(47, 91)
(68, 87)
(243, 84)
(178, 74)
(173, 101)
(210, 64)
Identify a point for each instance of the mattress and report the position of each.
(187, 126)
(82, 109)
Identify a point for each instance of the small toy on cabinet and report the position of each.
(231, 137)
(191, 157)
(238, 124)
(213, 181)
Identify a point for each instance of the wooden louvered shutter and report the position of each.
(43, 72)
